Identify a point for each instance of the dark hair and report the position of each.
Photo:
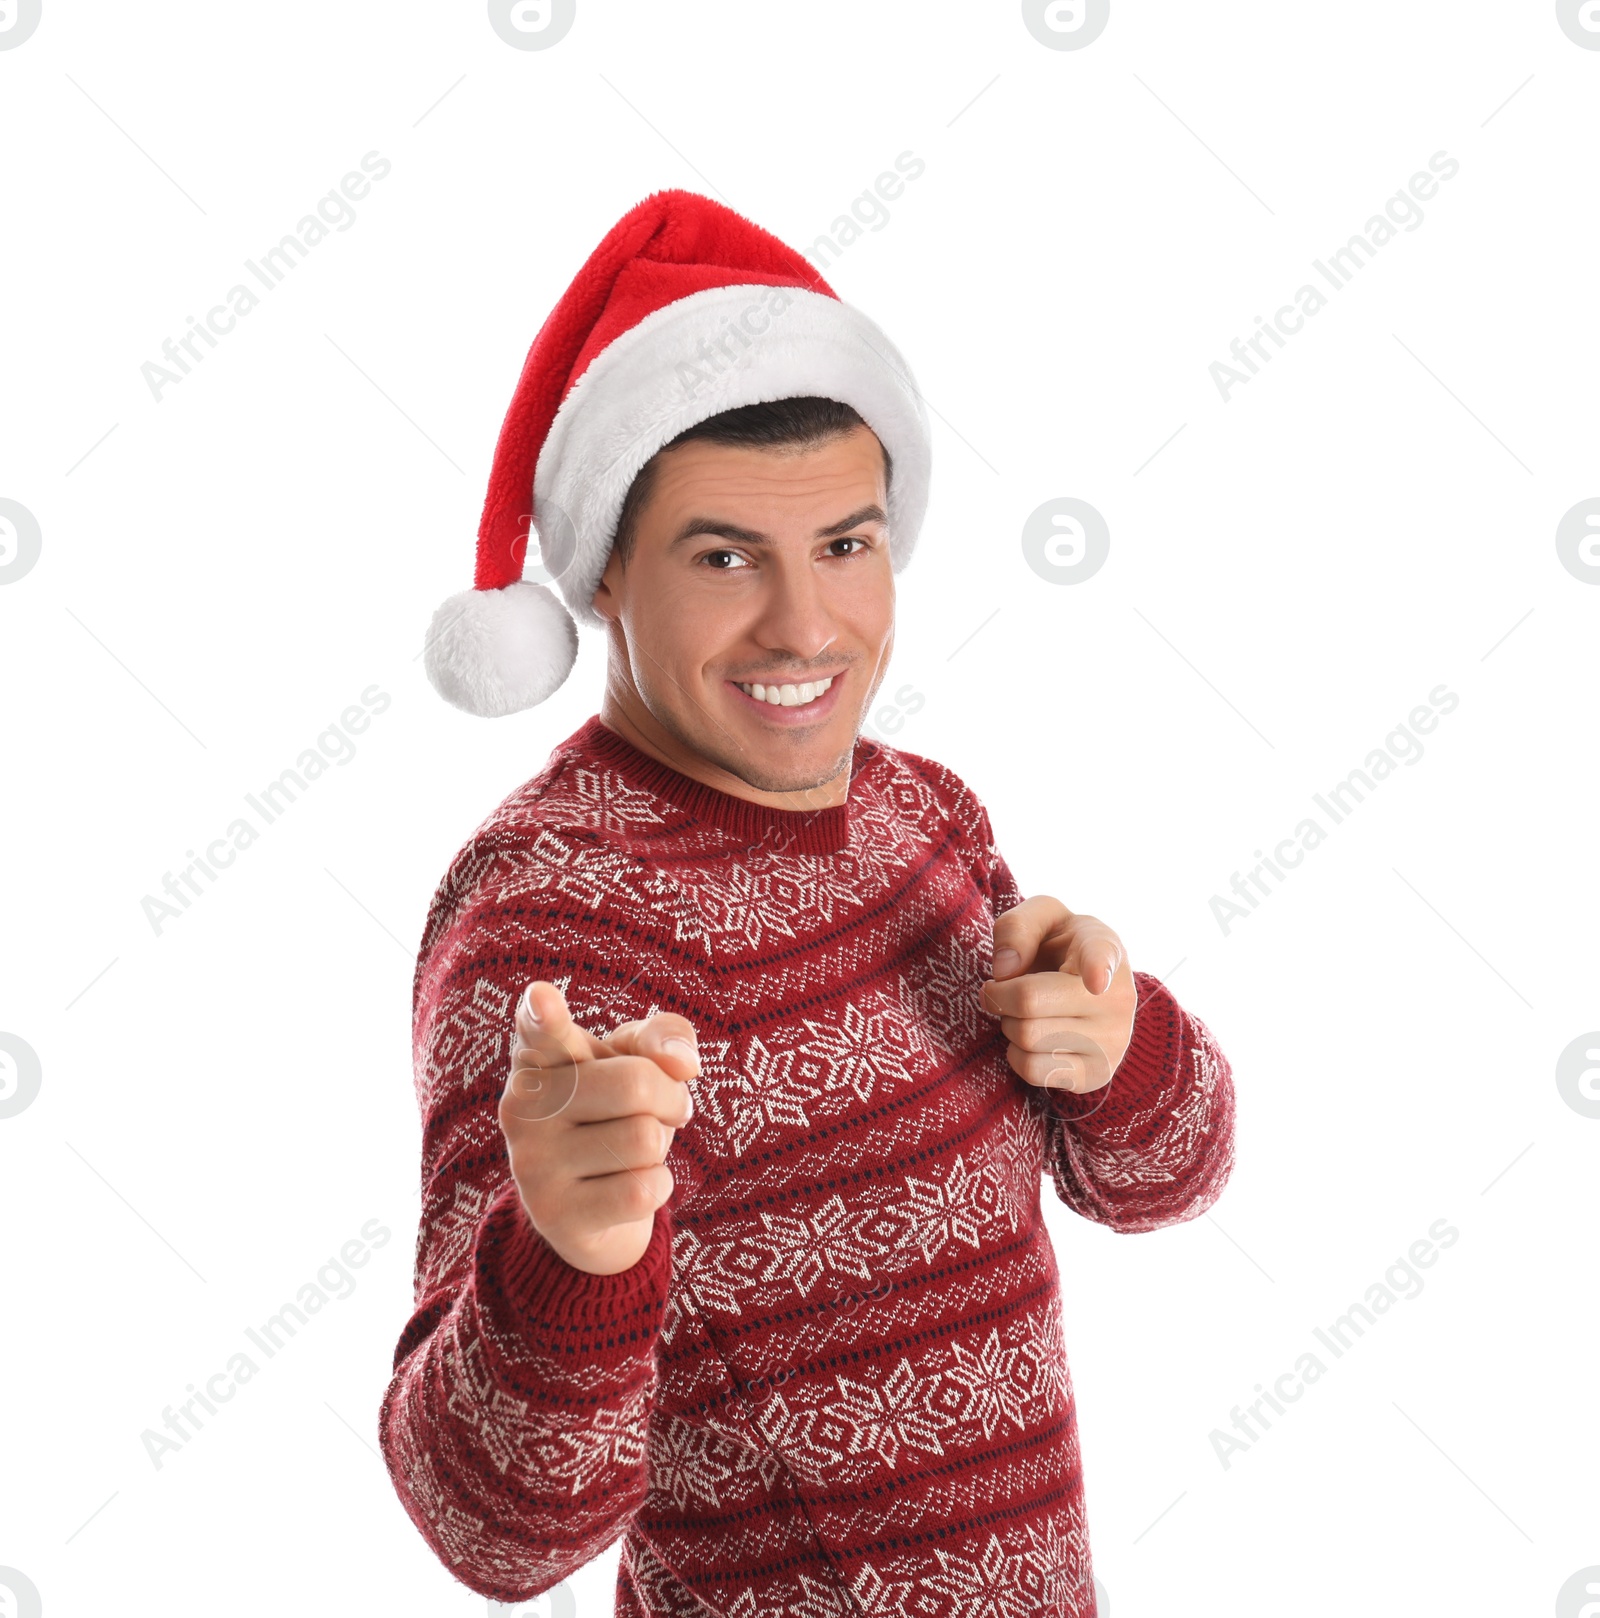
(783, 423)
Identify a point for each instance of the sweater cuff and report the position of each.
(540, 1291)
(1143, 1082)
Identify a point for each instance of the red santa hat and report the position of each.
(685, 310)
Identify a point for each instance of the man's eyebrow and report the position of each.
(718, 529)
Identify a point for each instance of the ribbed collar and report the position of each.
(793, 831)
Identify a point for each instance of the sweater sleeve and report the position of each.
(514, 1424)
(1154, 1147)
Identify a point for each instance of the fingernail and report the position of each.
(1006, 960)
(682, 1048)
(688, 1095)
(527, 1004)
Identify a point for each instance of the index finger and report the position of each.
(1094, 953)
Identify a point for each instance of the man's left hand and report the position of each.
(1064, 992)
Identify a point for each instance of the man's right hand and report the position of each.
(588, 1122)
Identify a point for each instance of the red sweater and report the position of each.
(836, 1381)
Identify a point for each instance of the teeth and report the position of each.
(788, 696)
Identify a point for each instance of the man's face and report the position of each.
(757, 567)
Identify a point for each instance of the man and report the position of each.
(740, 1054)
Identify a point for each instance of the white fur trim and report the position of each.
(494, 652)
(663, 376)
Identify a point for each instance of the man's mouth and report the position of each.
(786, 696)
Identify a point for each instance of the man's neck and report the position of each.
(630, 719)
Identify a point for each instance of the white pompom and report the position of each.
(494, 652)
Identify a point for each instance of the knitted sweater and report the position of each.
(836, 1382)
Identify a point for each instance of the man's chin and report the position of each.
(785, 762)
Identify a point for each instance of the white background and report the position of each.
(225, 1103)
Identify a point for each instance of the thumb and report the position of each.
(667, 1039)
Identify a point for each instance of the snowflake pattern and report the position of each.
(763, 1096)
(593, 1445)
(688, 1463)
(867, 1044)
(880, 1597)
(496, 1419)
(600, 799)
(941, 989)
(809, 1443)
(989, 1585)
(894, 1414)
(957, 1210)
(1046, 1349)
(472, 1038)
(805, 1247)
(452, 1234)
(753, 904)
(1057, 1560)
(995, 1394)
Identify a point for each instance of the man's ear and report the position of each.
(605, 597)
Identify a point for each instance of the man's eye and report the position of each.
(733, 556)
(850, 539)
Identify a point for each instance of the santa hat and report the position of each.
(685, 310)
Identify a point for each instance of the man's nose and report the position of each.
(795, 615)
